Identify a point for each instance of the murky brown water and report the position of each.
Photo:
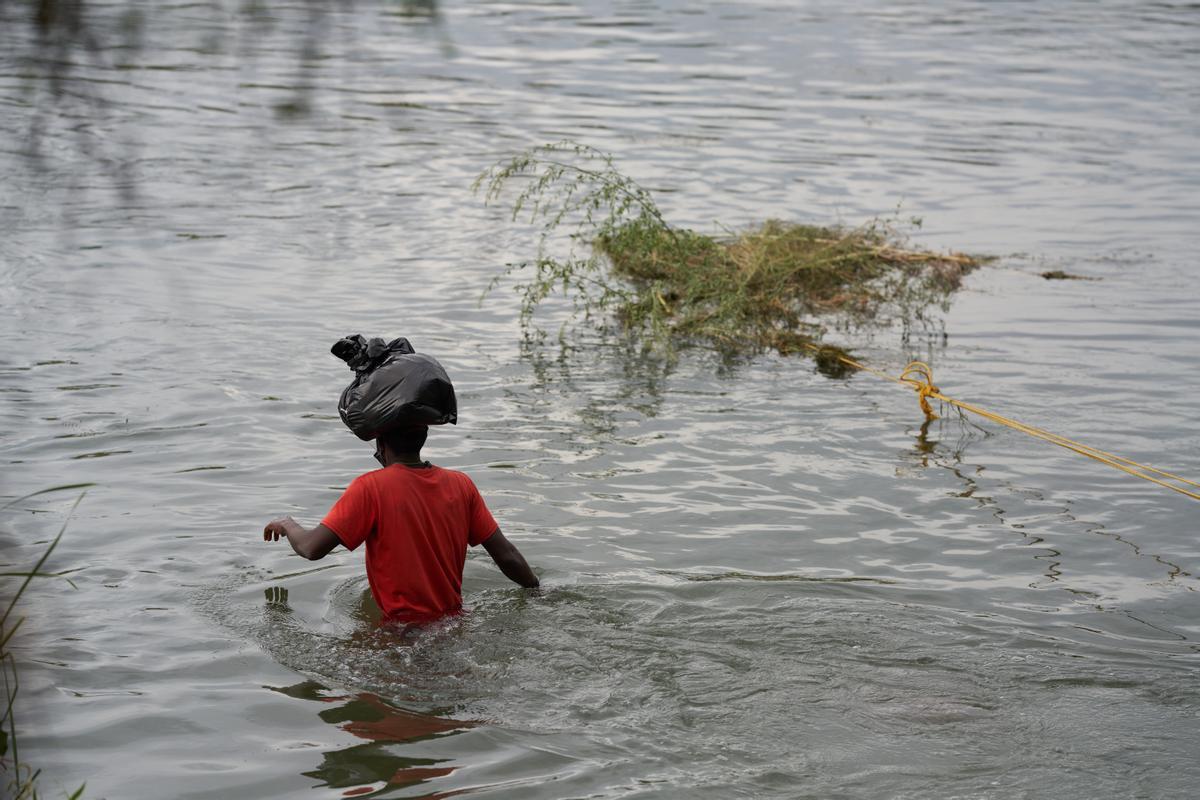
(759, 582)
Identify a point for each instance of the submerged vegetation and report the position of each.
(775, 286)
(1059, 275)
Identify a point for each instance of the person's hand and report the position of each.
(284, 526)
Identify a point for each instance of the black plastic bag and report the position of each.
(393, 387)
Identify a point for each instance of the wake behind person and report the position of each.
(416, 519)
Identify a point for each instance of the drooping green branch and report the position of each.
(572, 192)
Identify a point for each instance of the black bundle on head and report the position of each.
(393, 387)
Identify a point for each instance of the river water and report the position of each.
(758, 581)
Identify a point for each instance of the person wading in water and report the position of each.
(417, 520)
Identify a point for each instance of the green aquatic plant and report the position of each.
(574, 193)
(20, 778)
(606, 245)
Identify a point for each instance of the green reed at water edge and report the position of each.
(20, 778)
(605, 244)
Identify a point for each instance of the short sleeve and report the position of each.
(482, 523)
(353, 516)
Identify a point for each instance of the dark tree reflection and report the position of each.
(76, 72)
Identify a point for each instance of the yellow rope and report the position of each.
(919, 377)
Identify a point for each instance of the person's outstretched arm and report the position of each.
(510, 561)
(312, 544)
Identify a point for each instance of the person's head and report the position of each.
(391, 446)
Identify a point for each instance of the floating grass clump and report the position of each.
(774, 286)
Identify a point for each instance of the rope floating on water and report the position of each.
(918, 376)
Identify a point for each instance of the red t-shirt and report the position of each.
(417, 523)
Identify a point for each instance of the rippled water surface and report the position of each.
(759, 582)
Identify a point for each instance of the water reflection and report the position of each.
(375, 766)
(78, 60)
(928, 451)
(630, 379)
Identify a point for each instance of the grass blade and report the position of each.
(37, 568)
(62, 488)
